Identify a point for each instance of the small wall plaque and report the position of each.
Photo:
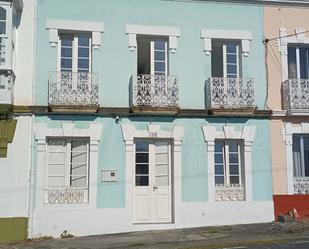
(109, 175)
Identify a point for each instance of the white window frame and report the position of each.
(152, 55)
(74, 51)
(244, 36)
(67, 162)
(247, 134)
(8, 36)
(67, 129)
(226, 163)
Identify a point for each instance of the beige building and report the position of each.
(287, 60)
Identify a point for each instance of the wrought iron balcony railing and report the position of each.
(230, 93)
(157, 91)
(295, 94)
(230, 193)
(62, 195)
(73, 89)
(301, 185)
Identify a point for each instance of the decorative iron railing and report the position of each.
(295, 94)
(73, 89)
(230, 193)
(63, 195)
(155, 91)
(301, 185)
(230, 93)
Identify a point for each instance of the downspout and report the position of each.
(32, 170)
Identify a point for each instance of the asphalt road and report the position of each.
(291, 245)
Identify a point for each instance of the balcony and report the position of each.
(230, 193)
(296, 95)
(301, 185)
(154, 93)
(230, 93)
(70, 90)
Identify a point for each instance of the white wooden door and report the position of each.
(152, 182)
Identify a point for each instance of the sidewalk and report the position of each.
(193, 238)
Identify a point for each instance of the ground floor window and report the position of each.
(301, 155)
(67, 170)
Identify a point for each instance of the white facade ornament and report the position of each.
(300, 35)
(63, 25)
(247, 133)
(173, 33)
(244, 36)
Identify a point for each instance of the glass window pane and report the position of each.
(219, 170)
(66, 52)
(219, 146)
(66, 63)
(159, 45)
(83, 40)
(142, 146)
(162, 147)
(160, 66)
(79, 145)
(219, 180)
(304, 64)
(233, 158)
(142, 169)
(78, 181)
(234, 180)
(79, 157)
(231, 58)
(2, 14)
(234, 169)
(233, 147)
(56, 158)
(141, 158)
(83, 63)
(55, 181)
(159, 55)
(162, 181)
(2, 28)
(141, 181)
(231, 47)
(292, 66)
(83, 52)
(219, 158)
(231, 69)
(79, 169)
(66, 40)
(162, 169)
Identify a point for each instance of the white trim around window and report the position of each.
(70, 131)
(283, 43)
(288, 131)
(54, 26)
(247, 134)
(173, 33)
(244, 36)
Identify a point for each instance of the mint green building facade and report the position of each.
(120, 158)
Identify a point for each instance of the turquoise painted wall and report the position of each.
(115, 63)
(194, 154)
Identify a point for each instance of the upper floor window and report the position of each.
(152, 55)
(226, 59)
(298, 62)
(75, 53)
(228, 163)
(301, 155)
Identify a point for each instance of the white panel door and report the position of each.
(152, 187)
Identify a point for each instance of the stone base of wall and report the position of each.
(13, 229)
(285, 203)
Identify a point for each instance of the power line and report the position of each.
(266, 40)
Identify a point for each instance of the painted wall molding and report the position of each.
(229, 132)
(289, 130)
(209, 34)
(172, 32)
(68, 129)
(94, 27)
(153, 131)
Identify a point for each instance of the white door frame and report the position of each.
(175, 134)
